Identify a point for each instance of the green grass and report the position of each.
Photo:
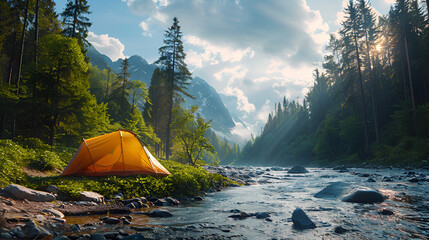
(185, 180)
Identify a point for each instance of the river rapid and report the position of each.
(278, 193)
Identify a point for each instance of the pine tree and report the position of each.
(172, 59)
(353, 30)
(75, 22)
(123, 79)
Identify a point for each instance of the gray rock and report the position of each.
(110, 235)
(75, 228)
(172, 201)
(301, 221)
(141, 229)
(260, 215)
(54, 212)
(134, 237)
(60, 220)
(20, 193)
(298, 169)
(118, 196)
(35, 231)
(370, 180)
(52, 189)
(91, 197)
(17, 232)
(159, 213)
(386, 212)
(97, 236)
(332, 191)
(5, 236)
(340, 230)
(364, 195)
(61, 238)
(198, 198)
(112, 221)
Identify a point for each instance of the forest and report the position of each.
(369, 101)
(50, 91)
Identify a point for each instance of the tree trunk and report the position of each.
(74, 19)
(107, 84)
(365, 121)
(413, 103)
(371, 87)
(12, 58)
(22, 48)
(36, 31)
(170, 98)
(52, 129)
(170, 116)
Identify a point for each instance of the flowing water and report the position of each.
(279, 193)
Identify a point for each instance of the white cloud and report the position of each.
(231, 74)
(242, 101)
(110, 46)
(264, 111)
(389, 2)
(211, 54)
(241, 130)
(144, 25)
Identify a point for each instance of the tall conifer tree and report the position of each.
(172, 59)
(75, 22)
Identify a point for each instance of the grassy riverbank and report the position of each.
(24, 156)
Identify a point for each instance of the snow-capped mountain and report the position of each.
(207, 98)
(210, 105)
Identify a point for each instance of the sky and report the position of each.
(254, 51)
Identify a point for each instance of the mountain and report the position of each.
(139, 68)
(207, 98)
(210, 105)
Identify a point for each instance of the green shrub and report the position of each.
(12, 158)
(185, 180)
(46, 160)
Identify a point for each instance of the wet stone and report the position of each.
(386, 212)
(261, 215)
(97, 236)
(61, 238)
(301, 221)
(332, 191)
(298, 169)
(134, 237)
(142, 229)
(75, 228)
(340, 230)
(110, 235)
(198, 198)
(364, 195)
(112, 221)
(5, 236)
(370, 180)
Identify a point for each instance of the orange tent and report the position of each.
(116, 153)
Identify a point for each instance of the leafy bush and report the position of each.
(185, 180)
(12, 157)
(46, 160)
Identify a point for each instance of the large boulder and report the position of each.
(35, 231)
(20, 193)
(364, 195)
(298, 169)
(91, 197)
(301, 221)
(332, 191)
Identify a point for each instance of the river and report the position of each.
(279, 193)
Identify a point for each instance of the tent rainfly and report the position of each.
(117, 153)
